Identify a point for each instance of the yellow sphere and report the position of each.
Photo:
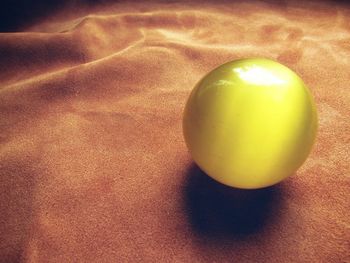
(250, 123)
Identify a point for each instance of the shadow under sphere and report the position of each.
(216, 210)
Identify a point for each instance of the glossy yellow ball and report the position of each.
(250, 123)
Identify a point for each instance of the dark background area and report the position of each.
(15, 14)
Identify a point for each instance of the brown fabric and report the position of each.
(93, 166)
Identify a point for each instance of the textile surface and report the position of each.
(93, 165)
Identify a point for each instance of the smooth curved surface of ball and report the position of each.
(250, 123)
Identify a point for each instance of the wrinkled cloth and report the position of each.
(93, 165)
